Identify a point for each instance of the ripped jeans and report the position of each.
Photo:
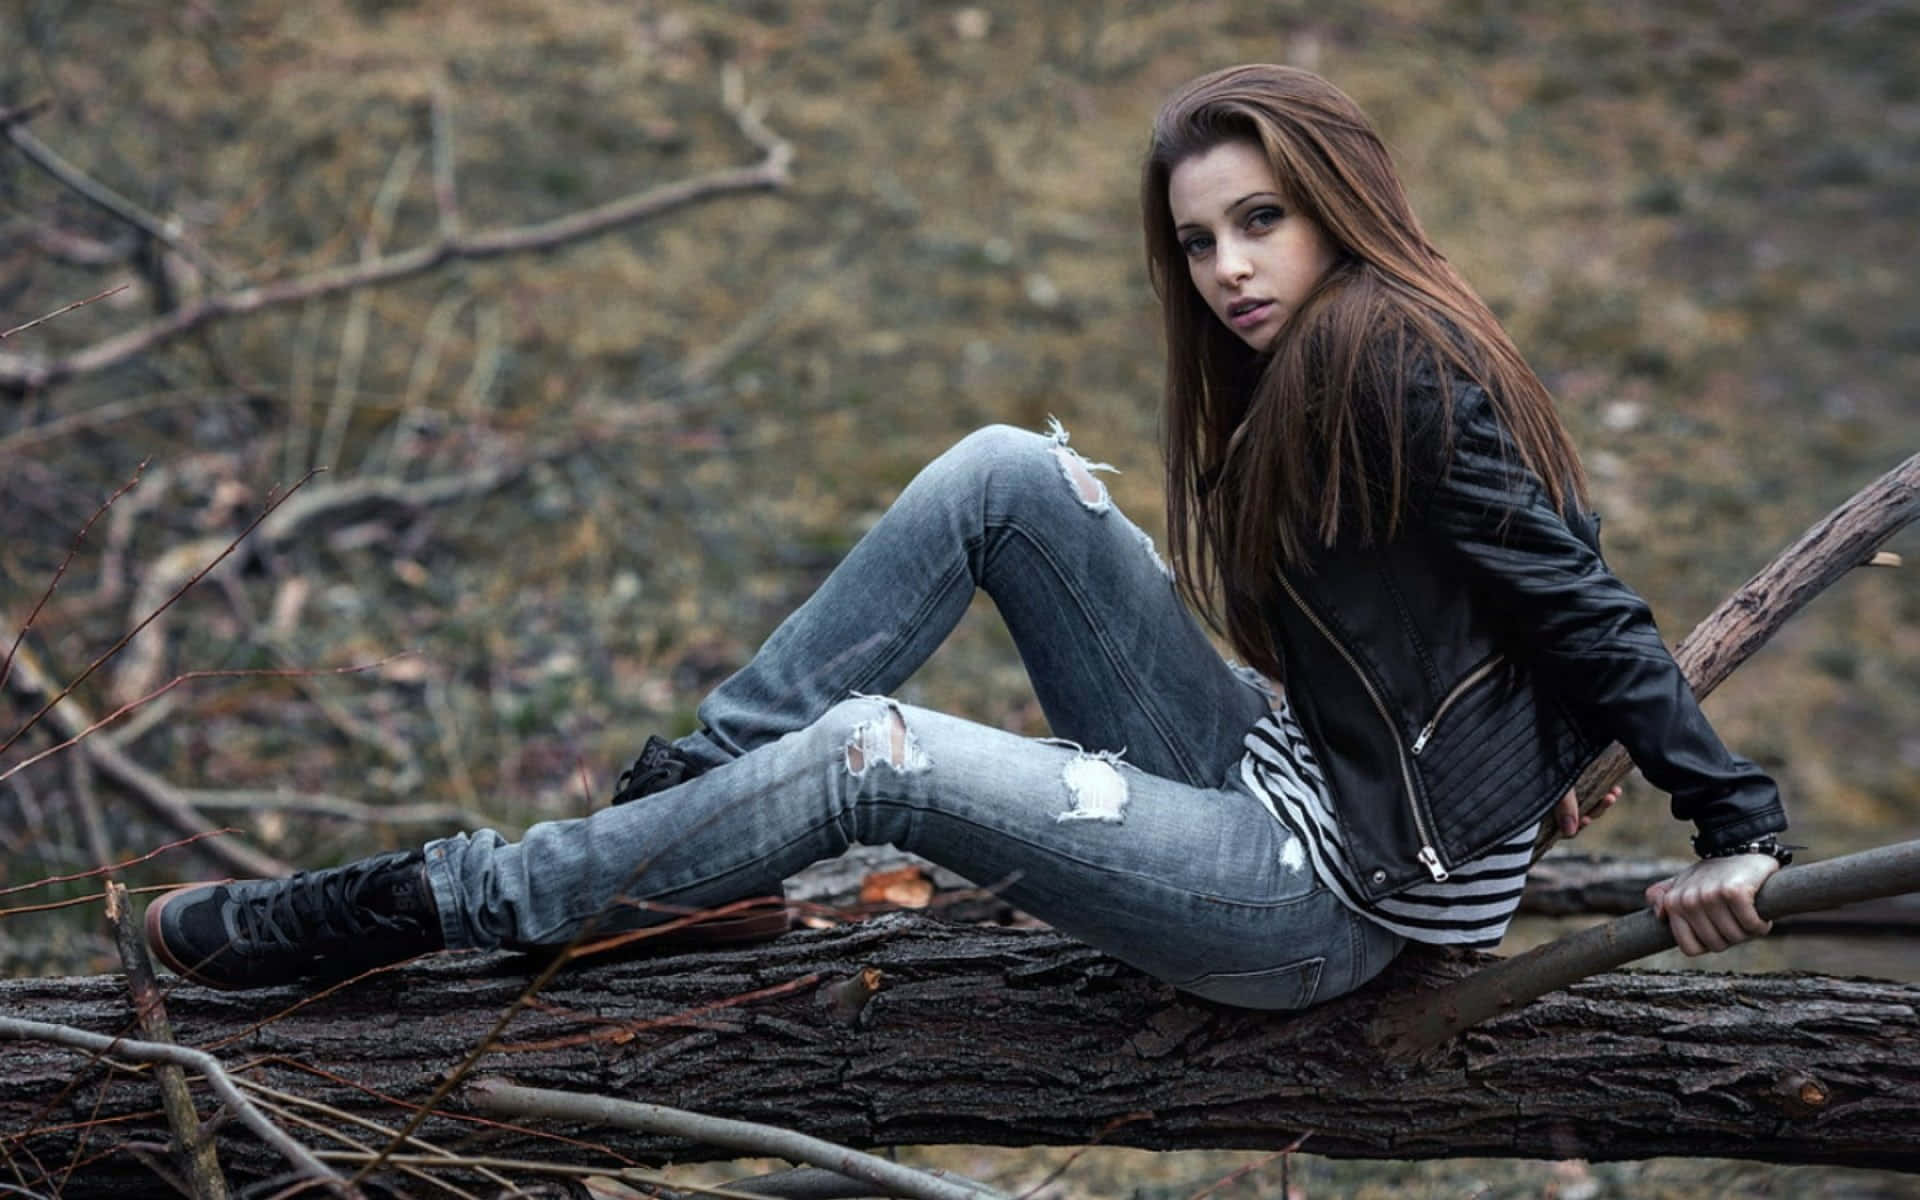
(1130, 831)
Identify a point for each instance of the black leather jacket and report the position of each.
(1456, 680)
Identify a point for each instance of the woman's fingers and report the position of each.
(1568, 818)
(1566, 814)
(1657, 897)
(1683, 937)
(1710, 905)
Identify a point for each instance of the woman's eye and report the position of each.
(1264, 218)
(1196, 245)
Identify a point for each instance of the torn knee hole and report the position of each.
(1079, 475)
(885, 738)
(1096, 791)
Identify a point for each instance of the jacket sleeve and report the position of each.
(1587, 635)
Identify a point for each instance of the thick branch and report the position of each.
(1846, 538)
(1570, 884)
(1419, 1023)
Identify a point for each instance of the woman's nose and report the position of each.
(1230, 264)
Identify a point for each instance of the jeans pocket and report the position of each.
(1288, 987)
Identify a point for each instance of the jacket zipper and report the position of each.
(1459, 689)
(1429, 857)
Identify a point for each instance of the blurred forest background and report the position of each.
(1697, 219)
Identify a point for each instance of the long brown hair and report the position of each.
(1269, 456)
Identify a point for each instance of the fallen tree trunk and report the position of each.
(1007, 1037)
(1563, 884)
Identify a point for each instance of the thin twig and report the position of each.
(353, 328)
(338, 808)
(100, 871)
(1236, 1176)
(338, 1114)
(635, 1175)
(488, 1124)
(101, 196)
(445, 198)
(24, 112)
(216, 1075)
(1066, 1164)
(621, 1032)
(159, 796)
(297, 674)
(182, 590)
(59, 572)
(112, 291)
(285, 1114)
(747, 1137)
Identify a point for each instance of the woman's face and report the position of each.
(1252, 258)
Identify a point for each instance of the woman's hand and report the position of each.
(1709, 906)
(1568, 818)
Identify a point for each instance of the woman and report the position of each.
(1369, 494)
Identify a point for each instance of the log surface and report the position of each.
(1016, 1037)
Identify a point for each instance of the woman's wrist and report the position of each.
(1768, 844)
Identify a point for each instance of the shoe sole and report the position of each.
(158, 946)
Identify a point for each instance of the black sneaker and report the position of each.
(330, 924)
(658, 768)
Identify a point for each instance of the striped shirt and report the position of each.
(1471, 907)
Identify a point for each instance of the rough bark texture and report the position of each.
(1021, 1037)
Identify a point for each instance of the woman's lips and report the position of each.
(1251, 315)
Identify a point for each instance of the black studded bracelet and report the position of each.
(1768, 845)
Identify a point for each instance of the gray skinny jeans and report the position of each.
(1131, 831)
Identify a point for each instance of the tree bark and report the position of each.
(1014, 1037)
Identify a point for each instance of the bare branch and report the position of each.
(59, 572)
(95, 665)
(1846, 538)
(293, 517)
(287, 1116)
(1569, 884)
(14, 1028)
(160, 797)
(197, 1152)
(113, 203)
(289, 1099)
(499, 1096)
(1424, 1021)
(106, 870)
(445, 198)
(26, 373)
(23, 112)
(353, 329)
(339, 808)
(112, 291)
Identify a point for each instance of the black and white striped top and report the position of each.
(1471, 907)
